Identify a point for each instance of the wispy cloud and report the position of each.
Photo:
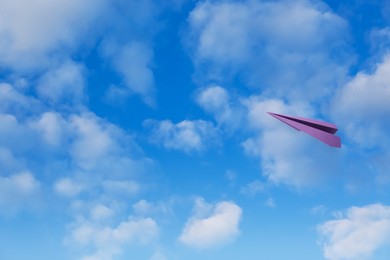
(253, 188)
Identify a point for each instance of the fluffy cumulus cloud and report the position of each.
(283, 151)
(292, 49)
(186, 135)
(212, 225)
(33, 33)
(357, 233)
(40, 37)
(360, 108)
(217, 101)
(362, 104)
(81, 157)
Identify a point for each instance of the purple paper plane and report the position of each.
(321, 130)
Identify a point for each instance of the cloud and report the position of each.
(148, 208)
(93, 141)
(216, 101)
(282, 150)
(293, 50)
(52, 127)
(186, 135)
(74, 145)
(36, 31)
(362, 104)
(359, 108)
(14, 101)
(46, 34)
(158, 256)
(357, 233)
(9, 162)
(14, 133)
(253, 188)
(101, 212)
(133, 61)
(212, 225)
(105, 149)
(67, 187)
(17, 191)
(121, 187)
(107, 241)
(63, 83)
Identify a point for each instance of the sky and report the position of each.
(138, 129)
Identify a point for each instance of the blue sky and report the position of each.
(138, 129)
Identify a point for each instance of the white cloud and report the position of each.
(52, 127)
(102, 147)
(216, 100)
(147, 208)
(108, 241)
(362, 104)
(357, 233)
(360, 109)
(12, 100)
(93, 141)
(9, 163)
(17, 191)
(143, 207)
(67, 187)
(186, 135)
(44, 34)
(291, 49)
(133, 62)
(121, 187)
(95, 163)
(212, 225)
(380, 39)
(16, 136)
(33, 31)
(63, 83)
(101, 212)
(283, 151)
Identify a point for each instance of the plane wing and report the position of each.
(323, 131)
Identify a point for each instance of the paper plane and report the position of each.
(323, 131)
